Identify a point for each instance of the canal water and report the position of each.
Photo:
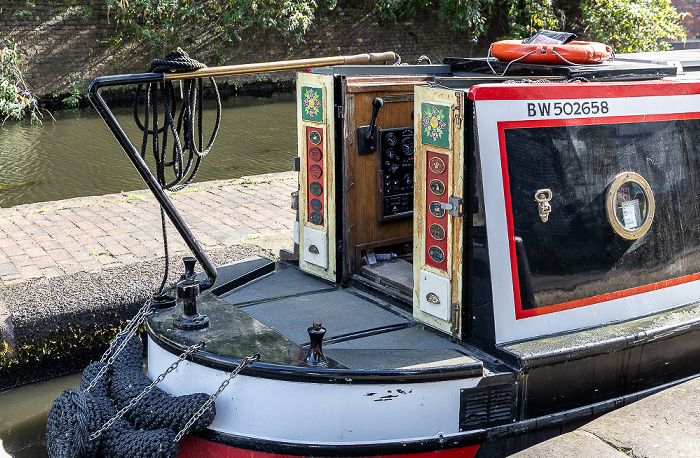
(76, 155)
(23, 413)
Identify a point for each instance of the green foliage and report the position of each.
(626, 25)
(85, 11)
(27, 11)
(633, 25)
(75, 94)
(168, 22)
(16, 100)
(461, 15)
(524, 17)
(72, 339)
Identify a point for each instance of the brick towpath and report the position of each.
(51, 239)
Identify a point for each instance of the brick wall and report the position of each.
(691, 23)
(62, 44)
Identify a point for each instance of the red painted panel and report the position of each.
(314, 173)
(194, 447)
(437, 174)
(583, 91)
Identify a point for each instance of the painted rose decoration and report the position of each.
(312, 103)
(434, 122)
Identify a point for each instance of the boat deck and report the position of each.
(270, 315)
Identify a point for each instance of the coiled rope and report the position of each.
(184, 157)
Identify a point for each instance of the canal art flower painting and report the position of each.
(312, 104)
(435, 122)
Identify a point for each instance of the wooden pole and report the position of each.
(358, 59)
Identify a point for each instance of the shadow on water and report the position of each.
(77, 155)
(23, 413)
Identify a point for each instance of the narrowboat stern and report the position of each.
(478, 258)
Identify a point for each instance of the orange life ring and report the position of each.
(576, 52)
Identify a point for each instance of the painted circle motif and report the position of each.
(316, 204)
(315, 171)
(437, 187)
(436, 210)
(315, 137)
(437, 231)
(315, 154)
(316, 188)
(437, 165)
(316, 218)
(436, 254)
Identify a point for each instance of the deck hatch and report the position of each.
(487, 406)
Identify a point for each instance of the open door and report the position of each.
(317, 185)
(438, 206)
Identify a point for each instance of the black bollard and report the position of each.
(190, 320)
(315, 356)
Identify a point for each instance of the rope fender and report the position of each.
(157, 409)
(77, 413)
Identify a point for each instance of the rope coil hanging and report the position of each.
(183, 159)
(190, 144)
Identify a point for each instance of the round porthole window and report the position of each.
(630, 205)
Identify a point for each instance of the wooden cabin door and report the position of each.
(438, 205)
(317, 183)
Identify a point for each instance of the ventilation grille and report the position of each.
(487, 406)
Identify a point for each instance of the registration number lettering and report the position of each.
(549, 109)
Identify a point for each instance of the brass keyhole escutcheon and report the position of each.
(542, 197)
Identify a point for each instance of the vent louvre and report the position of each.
(487, 406)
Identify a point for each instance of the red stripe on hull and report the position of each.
(194, 447)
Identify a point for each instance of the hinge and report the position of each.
(459, 116)
(454, 326)
(339, 112)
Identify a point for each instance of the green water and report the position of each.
(76, 155)
(23, 413)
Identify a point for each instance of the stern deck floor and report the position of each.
(362, 332)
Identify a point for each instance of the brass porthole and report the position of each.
(630, 205)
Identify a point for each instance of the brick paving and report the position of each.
(50, 239)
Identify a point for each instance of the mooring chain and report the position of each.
(131, 325)
(189, 351)
(129, 330)
(244, 362)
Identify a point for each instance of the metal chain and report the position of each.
(190, 350)
(129, 331)
(244, 362)
(135, 322)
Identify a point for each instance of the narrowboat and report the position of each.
(483, 252)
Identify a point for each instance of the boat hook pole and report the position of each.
(144, 78)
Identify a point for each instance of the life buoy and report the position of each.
(576, 52)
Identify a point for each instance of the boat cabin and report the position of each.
(484, 249)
